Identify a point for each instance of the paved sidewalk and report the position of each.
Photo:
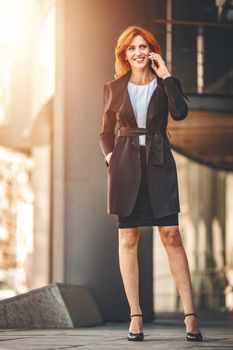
(160, 334)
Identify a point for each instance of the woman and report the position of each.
(142, 178)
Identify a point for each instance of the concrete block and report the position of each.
(54, 306)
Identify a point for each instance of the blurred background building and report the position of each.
(55, 57)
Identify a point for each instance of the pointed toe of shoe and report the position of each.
(194, 336)
(135, 336)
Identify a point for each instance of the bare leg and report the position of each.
(128, 261)
(178, 263)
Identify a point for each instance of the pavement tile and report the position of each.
(113, 336)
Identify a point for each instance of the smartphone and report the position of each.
(154, 61)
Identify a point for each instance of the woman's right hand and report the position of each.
(108, 156)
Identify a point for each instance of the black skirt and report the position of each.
(142, 214)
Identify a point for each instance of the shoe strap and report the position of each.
(191, 314)
(136, 315)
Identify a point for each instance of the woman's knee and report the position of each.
(128, 237)
(170, 236)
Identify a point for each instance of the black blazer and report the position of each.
(119, 134)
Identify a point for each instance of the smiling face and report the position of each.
(137, 53)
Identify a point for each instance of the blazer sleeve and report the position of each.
(177, 105)
(107, 133)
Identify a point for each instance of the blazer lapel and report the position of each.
(128, 104)
(124, 104)
(154, 103)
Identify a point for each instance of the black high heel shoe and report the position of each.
(135, 336)
(193, 336)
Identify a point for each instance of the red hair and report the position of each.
(121, 65)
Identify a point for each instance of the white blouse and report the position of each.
(140, 96)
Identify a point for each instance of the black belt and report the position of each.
(158, 141)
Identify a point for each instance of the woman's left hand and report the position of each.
(161, 70)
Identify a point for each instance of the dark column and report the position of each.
(87, 33)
